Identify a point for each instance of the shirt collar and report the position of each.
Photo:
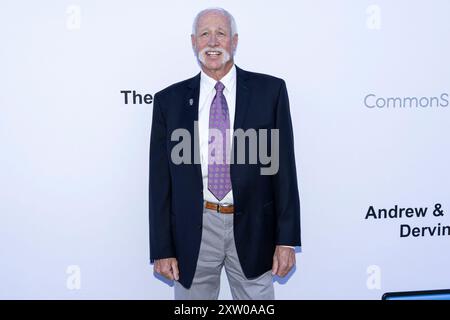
(229, 80)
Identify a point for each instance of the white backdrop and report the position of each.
(74, 156)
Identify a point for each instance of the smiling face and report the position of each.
(213, 44)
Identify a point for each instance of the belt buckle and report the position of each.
(224, 205)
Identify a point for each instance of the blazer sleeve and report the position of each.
(286, 197)
(161, 241)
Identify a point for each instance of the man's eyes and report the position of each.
(220, 33)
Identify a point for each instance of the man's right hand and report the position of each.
(167, 267)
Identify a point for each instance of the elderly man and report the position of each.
(206, 214)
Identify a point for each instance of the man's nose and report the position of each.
(213, 41)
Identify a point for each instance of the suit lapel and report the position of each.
(191, 105)
(242, 97)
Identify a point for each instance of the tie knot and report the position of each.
(219, 86)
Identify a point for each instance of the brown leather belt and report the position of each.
(222, 208)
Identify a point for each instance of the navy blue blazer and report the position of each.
(267, 207)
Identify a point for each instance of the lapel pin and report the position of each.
(191, 102)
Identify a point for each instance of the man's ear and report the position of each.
(193, 41)
(235, 41)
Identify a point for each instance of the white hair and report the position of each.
(228, 15)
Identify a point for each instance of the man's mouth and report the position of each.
(213, 53)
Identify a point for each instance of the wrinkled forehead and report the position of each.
(213, 20)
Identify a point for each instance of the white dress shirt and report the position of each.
(207, 93)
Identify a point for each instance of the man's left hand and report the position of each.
(283, 260)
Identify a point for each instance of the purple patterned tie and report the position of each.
(219, 182)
